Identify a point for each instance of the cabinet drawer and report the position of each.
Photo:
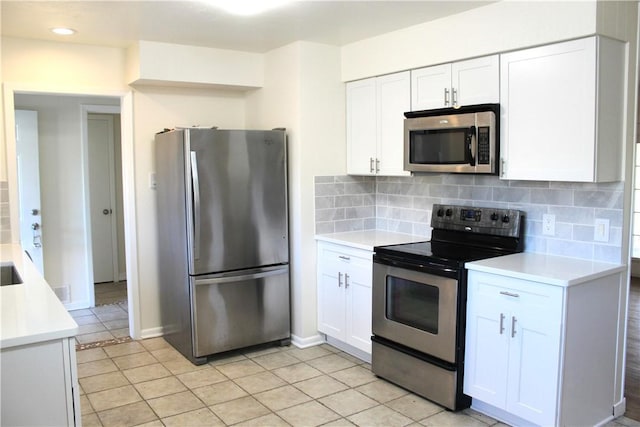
(546, 298)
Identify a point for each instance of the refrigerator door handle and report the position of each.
(270, 271)
(196, 205)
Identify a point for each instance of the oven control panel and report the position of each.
(482, 220)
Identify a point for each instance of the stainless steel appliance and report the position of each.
(458, 140)
(223, 239)
(419, 299)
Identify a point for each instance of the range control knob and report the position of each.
(494, 216)
(506, 219)
(448, 212)
(440, 212)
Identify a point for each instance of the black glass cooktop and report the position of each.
(451, 254)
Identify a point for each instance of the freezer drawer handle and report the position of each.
(225, 279)
(196, 205)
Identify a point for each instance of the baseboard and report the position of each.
(355, 352)
(151, 333)
(77, 305)
(307, 342)
(122, 276)
(620, 408)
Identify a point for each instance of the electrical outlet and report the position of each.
(549, 224)
(601, 230)
(153, 184)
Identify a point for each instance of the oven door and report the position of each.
(416, 309)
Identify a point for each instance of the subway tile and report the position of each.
(552, 197)
(512, 195)
(329, 189)
(598, 199)
(325, 202)
(323, 179)
(330, 214)
(359, 212)
(359, 187)
(349, 225)
(348, 201)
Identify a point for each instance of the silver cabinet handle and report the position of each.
(503, 166)
(446, 96)
(454, 96)
(513, 326)
(346, 280)
(501, 323)
(371, 164)
(346, 258)
(377, 165)
(196, 205)
(339, 279)
(509, 294)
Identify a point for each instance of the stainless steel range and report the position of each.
(419, 299)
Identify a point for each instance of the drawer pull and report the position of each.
(513, 326)
(501, 323)
(346, 280)
(509, 294)
(339, 279)
(346, 258)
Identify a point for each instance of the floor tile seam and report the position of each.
(204, 405)
(120, 406)
(132, 403)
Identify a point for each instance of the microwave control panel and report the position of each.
(483, 145)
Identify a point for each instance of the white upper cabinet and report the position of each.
(562, 111)
(475, 81)
(375, 124)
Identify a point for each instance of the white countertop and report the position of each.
(553, 270)
(368, 239)
(30, 312)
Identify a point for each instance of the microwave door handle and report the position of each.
(470, 147)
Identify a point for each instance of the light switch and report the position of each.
(152, 181)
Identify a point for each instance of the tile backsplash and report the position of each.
(403, 204)
(5, 223)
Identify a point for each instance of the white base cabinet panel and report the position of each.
(344, 294)
(40, 384)
(540, 354)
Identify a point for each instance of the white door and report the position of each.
(29, 185)
(431, 87)
(102, 197)
(476, 81)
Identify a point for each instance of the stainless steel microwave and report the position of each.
(457, 140)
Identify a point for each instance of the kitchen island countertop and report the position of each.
(368, 239)
(30, 312)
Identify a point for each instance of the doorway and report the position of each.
(66, 189)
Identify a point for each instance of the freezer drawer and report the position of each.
(240, 309)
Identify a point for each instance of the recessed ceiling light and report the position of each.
(248, 7)
(61, 31)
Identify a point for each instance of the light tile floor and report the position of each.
(105, 322)
(149, 383)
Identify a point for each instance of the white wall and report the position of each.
(303, 93)
(62, 181)
(156, 108)
(497, 27)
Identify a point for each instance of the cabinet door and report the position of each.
(476, 81)
(361, 127)
(534, 360)
(359, 295)
(547, 97)
(431, 87)
(331, 294)
(393, 99)
(487, 345)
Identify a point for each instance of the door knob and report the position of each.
(35, 226)
(106, 211)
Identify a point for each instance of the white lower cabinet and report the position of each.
(344, 294)
(538, 354)
(40, 384)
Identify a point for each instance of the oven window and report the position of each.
(412, 303)
(439, 146)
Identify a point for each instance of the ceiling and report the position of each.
(119, 23)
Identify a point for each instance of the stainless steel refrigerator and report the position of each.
(223, 239)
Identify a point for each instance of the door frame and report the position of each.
(86, 110)
(128, 177)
